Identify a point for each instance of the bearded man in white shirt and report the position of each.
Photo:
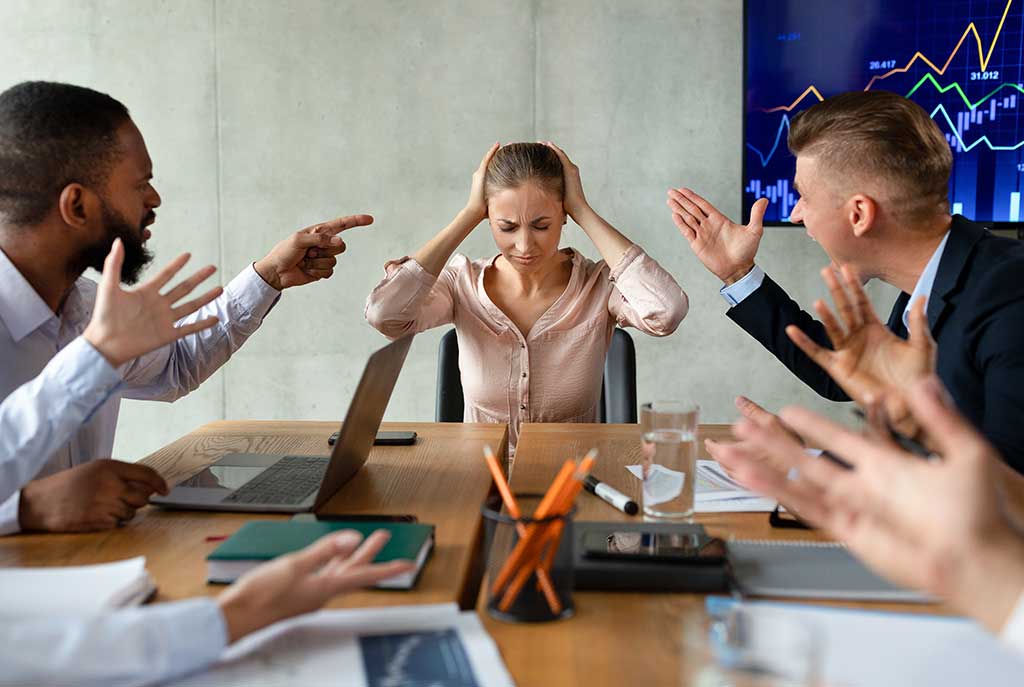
(75, 175)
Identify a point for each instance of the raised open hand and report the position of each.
(127, 323)
(868, 361)
(727, 249)
(884, 507)
(308, 255)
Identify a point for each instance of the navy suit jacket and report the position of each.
(976, 314)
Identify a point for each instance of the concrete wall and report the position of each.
(263, 117)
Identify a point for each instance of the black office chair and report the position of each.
(618, 388)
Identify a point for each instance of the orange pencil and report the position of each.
(543, 576)
(547, 544)
(556, 531)
(530, 541)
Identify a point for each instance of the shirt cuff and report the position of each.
(628, 258)
(198, 634)
(9, 523)
(1012, 633)
(735, 293)
(253, 297)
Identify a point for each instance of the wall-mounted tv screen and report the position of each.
(960, 60)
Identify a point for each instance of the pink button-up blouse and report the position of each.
(553, 374)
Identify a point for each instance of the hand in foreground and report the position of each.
(937, 525)
(127, 323)
(304, 581)
(727, 249)
(754, 413)
(97, 495)
(574, 200)
(476, 205)
(868, 361)
(308, 255)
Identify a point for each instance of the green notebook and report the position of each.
(260, 541)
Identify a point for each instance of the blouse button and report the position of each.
(522, 406)
(524, 375)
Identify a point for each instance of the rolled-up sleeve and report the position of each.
(179, 368)
(43, 413)
(410, 300)
(645, 295)
(137, 646)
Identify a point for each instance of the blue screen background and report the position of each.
(797, 50)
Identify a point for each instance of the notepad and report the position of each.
(809, 570)
(261, 541)
(78, 590)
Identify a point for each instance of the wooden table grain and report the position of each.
(619, 638)
(442, 479)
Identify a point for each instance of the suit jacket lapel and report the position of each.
(895, 322)
(963, 236)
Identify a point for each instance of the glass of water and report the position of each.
(669, 448)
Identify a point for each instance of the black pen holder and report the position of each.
(546, 594)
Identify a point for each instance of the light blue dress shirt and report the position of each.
(31, 335)
(127, 647)
(926, 281)
(737, 292)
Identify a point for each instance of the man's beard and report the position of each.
(136, 255)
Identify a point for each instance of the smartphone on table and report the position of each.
(689, 548)
(385, 439)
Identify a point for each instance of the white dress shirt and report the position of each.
(126, 647)
(1012, 633)
(31, 335)
(135, 646)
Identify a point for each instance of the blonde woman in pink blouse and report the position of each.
(534, 322)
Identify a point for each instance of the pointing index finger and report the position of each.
(340, 224)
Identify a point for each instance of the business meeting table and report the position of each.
(613, 638)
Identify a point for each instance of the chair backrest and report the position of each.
(618, 388)
(450, 405)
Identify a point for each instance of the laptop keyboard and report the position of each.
(288, 481)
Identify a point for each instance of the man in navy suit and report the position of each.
(872, 170)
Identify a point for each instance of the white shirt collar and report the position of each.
(926, 280)
(22, 309)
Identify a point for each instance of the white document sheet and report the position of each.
(878, 649)
(716, 492)
(372, 647)
(78, 590)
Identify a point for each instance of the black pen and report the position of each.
(902, 440)
(610, 495)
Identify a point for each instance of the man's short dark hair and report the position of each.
(52, 135)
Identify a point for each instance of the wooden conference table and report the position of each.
(439, 479)
(614, 638)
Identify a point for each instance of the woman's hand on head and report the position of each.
(575, 201)
(476, 206)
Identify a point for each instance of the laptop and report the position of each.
(268, 483)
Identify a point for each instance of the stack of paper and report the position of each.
(716, 492)
(719, 493)
(81, 590)
(371, 647)
(879, 649)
